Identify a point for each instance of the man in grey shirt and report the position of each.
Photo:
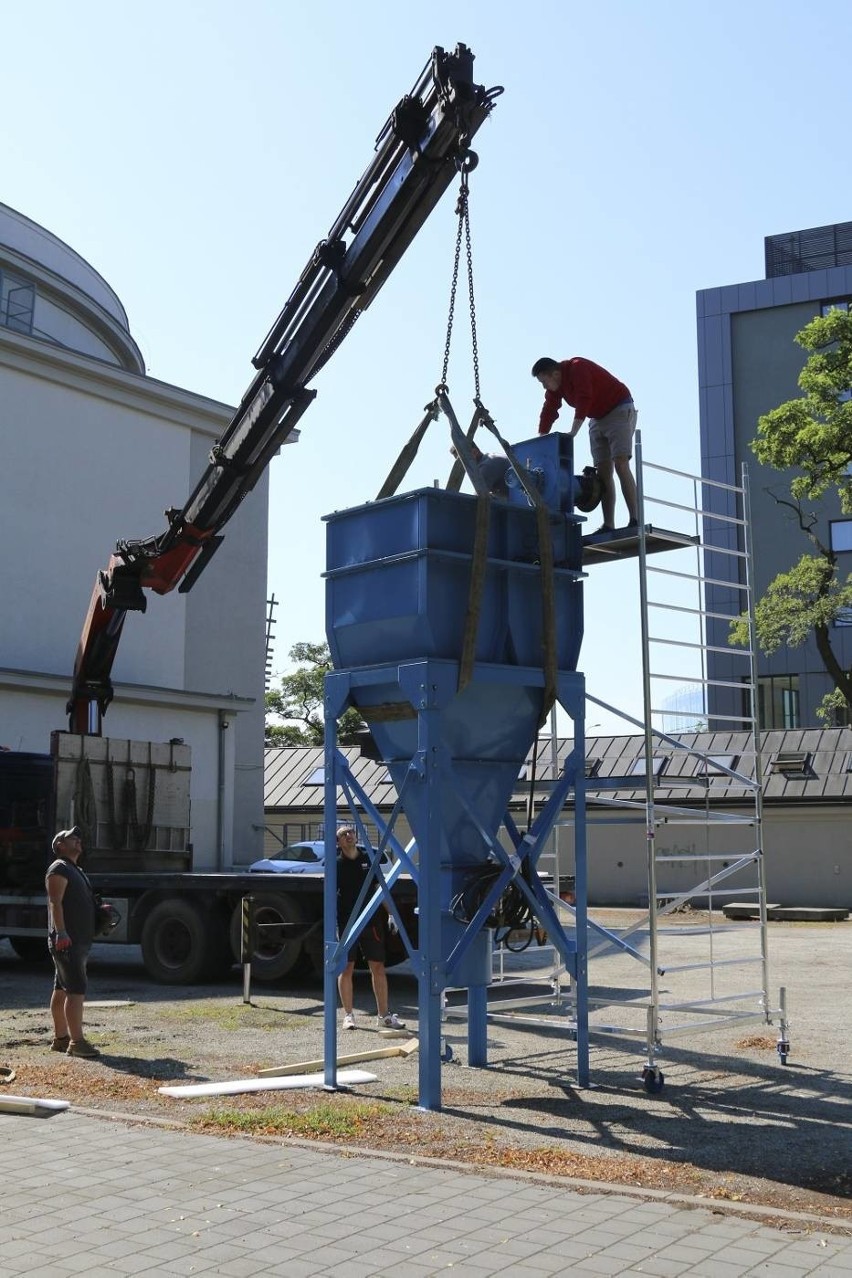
(71, 925)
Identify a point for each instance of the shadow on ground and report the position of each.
(721, 1113)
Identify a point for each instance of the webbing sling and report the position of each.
(457, 473)
(409, 451)
(478, 566)
(545, 551)
(479, 557)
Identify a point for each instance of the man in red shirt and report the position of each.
(594, 393)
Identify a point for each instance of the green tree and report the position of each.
(813, 436)
(298, 700)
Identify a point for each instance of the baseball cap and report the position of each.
(74, 833)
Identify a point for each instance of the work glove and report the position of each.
(393, 926)
(62, 942)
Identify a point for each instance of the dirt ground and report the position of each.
(731, 1124)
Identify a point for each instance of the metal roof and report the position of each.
(828, 778)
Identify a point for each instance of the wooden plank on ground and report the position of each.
(346, 1078)
(32, 1106)
(351, 1058)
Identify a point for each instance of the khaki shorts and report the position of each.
(70, 969)
(612, 436)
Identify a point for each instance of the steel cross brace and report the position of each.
(429, 686)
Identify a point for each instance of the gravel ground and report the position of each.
(731, 1124)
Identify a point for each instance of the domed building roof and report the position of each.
(50, 293)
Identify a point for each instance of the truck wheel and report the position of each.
(182, 944)
(31, 950)
(277, 948)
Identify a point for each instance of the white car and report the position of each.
(300, 858)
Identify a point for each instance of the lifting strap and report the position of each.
(479, 557)
(457, 473)
(402, 465)
(478, 567)
(545, 552)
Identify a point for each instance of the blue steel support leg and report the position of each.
(336, 696)
(581, 892)
(429, 686)
(429, 934)
(572, 697)
(429, 930)
(477, 1025)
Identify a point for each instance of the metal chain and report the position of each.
(466, 217)
(461, 209)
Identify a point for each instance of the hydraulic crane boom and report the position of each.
(424, 143)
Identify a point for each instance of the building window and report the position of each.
(317, 777)
(637, 767)
(840, 534)
(791, 763)
(778, 701)
(716, 762)
(17, 304)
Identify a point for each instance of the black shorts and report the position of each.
(371, 943)
(70, 969)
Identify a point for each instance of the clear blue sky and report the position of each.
(195, 151)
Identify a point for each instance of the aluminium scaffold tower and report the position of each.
(694, 795)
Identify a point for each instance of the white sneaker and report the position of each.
(391, 1021)
(349, 1020)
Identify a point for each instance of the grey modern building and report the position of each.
(748, 364)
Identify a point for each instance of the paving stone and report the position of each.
(178, 1203)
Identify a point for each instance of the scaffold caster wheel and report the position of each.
(652, 1079)
(446, 1053)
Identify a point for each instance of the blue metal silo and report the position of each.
(453, 623)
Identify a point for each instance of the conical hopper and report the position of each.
(398, 591)
(477, 746)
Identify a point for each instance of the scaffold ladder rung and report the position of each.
(710, 964)
(713, 1023)
(702, 858)
(701, 890)
(697, 578)
(710, 1006)
(701, 647)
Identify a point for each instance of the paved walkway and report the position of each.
(81, 1195)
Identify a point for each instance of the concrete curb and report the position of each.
(772, 1216)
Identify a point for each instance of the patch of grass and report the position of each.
(323, 1121)
(406, 1093)
(231, 1016)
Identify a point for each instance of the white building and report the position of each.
(93, 451)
